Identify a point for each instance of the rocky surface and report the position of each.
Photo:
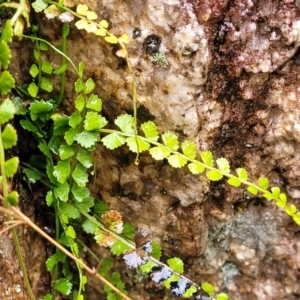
(231, 85)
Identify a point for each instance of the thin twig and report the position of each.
(18, 214)
(11, 224)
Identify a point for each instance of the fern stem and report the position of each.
(265, 192)
(65, 32)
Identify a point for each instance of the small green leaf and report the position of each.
(251, 189)
(269, 196)
(7, 82)
(46, 84)
(113, 140)
(207, 158)
(20, 108)
(196, 167)
(156, 250)
(101, 208)
(103, 23)
(43, 46)
(81, 69)
(51, 262)
(189, 292)
(111, 39)
(32, 175)
(80, 103)
(208, 288)
(125, 123)
(233, 181)
(291, 210)
(177, 160)
(79, 85)
(176, 264)
(159, 152)
(70, 232)
(87, 139)
(39, 5)
(46, 68)
(86, 204)
(7, 111)
(85, 157)
(296, 218)
(34, 70)
(89, 226)
(94, 103)
(70, 135)
(124, 38)
(222, 296)
(5, 55)
(119, 248)
(65, 151)
(189, 149)
(170, 139)
(94, 122)
(62, 192)
(106, 265)
(131, 143)
(62, 171)
(33, 89)
(68, 209)
(47, 297)
(36, 55)
(61, 69)
(75, 119)
(80, 175)
(64, 286)
(9, 136)
(27, 125)
(150, 130)
(223, 165)
(44, 149)
(147, 267)
(54, 144)
(49, 172)
(7, 32)
(214, 175)
(49, 198)
(61, 124)
(11, 167)
(79, 193)
(82, 9)
(40, 109)
(13, 198)
(100, 32)
(172, 278)
(89, 86)
(263, 183)
(242, 174)
(275, 191)
(281, 202)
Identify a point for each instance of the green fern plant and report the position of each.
(68, 149)
(8, 139)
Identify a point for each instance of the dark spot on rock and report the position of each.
(163, 191)
(136, 33)
(144, 114)
(151, 43)
(116, 189)
(174, 205)
(218, 193)
(122, 64)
